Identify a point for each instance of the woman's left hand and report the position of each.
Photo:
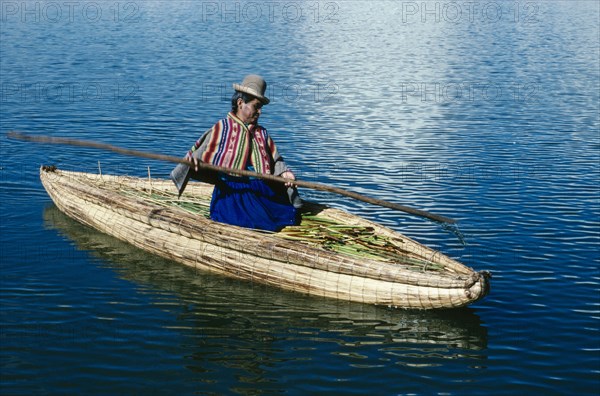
(289, 175)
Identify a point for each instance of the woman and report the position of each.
(239, 142)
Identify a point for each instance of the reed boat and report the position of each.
(332, 253)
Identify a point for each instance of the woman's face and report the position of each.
(249, 112)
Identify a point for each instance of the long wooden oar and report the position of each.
(161, 157)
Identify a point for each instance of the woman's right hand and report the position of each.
(191, 158)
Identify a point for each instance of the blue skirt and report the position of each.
(252, 203)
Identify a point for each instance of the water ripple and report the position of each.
(494, 124)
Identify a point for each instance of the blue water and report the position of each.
(486, 112)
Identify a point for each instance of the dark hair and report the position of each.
(237, 95)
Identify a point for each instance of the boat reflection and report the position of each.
(216, 312)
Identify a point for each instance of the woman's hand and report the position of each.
(193, 159)
(289, 175)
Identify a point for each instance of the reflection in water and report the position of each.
(492, 122)
(254, 328)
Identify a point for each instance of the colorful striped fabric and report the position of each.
(232, 144)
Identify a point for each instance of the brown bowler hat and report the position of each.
(255, 86)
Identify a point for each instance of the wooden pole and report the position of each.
(202, 165)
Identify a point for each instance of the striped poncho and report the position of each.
(232, 144)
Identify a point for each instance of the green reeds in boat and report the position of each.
(318, 231)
